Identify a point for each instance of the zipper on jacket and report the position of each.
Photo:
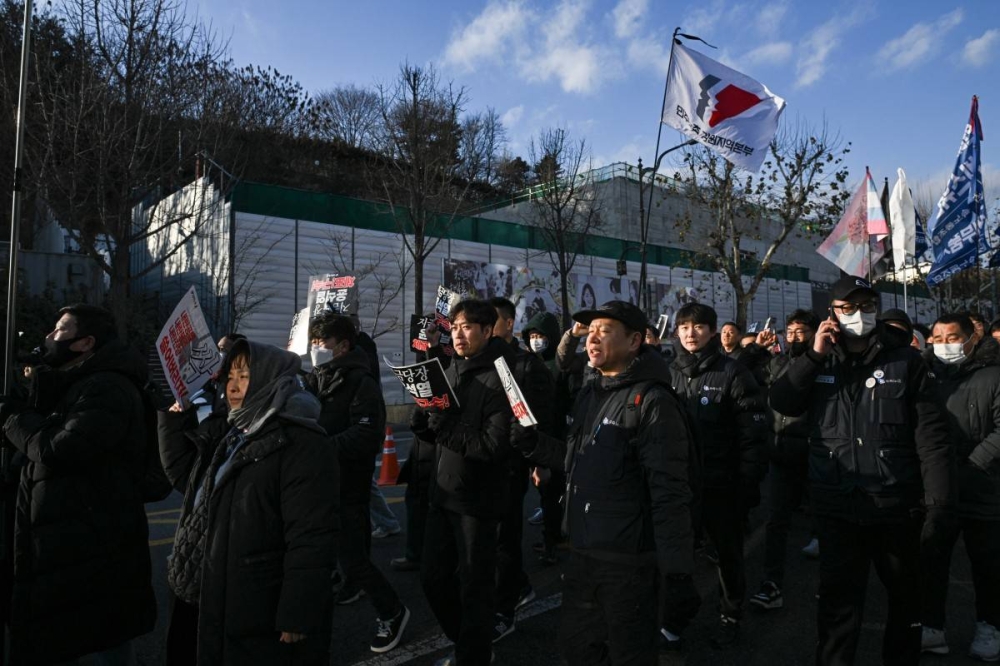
(586, 507)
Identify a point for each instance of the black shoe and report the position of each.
(503, 626)
(526, 597)
(769, 597)
(404, 564)
(727, 633)
(669, 644)
(389, 632)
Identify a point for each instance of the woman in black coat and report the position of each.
(255, 543)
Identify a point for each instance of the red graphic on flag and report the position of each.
(731, 101)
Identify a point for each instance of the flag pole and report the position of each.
(868, 236)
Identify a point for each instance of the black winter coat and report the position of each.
(353, 414)
(82, 578)
(970, 392)
(727, 410)
(876, 429)
(472, 441)
(788, 442)
(272, 527)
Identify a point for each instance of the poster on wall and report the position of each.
(477, 279)
(593, 290)
(535, 291)
(668, 299)
(332, 292)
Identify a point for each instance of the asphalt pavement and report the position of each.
(780, 637)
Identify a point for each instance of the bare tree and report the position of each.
(483, 139)
(349, 114)
(418, 168)
(381, 277)
(746, 217)
(565, 206)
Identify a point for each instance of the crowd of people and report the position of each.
(645, 451)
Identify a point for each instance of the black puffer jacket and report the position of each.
(270, 551)
(788, 443)
(353, 414)
(876, 429)
(629, 493)
(473, 441)
(970, 392)
(727, 410)
(81, 555)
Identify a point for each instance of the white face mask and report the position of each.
(950, 352)
(538, 345)
(320, 355)
(857, 325)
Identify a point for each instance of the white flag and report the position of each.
(726, 111)
(904, 222)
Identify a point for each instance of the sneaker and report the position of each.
(503, 626)
(349, 595)
(526, 597)
(986, 644)
(812, 549)
(381, 533)
(727, 633)
(769, 597)
(669, 641)
(404, 564)
(932, 640)
(389, 632)
(537, 518)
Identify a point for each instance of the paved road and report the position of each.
(781, 637)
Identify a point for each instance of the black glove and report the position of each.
(419, 426)
(681, 602)
(938, 532)
(439, 421)
(525, 440)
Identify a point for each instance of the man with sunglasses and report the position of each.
(879, 457)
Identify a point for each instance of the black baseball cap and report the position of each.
(848, 286)
(898, 316)
(628, 314)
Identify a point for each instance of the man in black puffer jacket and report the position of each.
(630, 462)
(967, 383)
(789, 452)
(876, 431)
(726, 406)
(472, 485)
(81, 559)
(353, 414)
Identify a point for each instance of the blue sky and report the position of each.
(894, 78)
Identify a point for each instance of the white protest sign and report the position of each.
(298, 335)
(186, 349)
(518, 404)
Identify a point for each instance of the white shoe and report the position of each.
(986, 645)
(932, 640)
(812, 549)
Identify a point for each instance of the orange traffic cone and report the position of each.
(390, 463)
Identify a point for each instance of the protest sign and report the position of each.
(515, 397)
(187, 350)
(332, 292)
(446, 300)
(298, 335)
(427, 383)
(663, 326)
(418, 332)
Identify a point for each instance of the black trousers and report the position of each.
(982, 544)
(787, 489)
(458, 572)
(354, 553)
(511, 578)
(722, 518)
(182, 632)
(846, 554)
(417, 498)
(551, 494)
(608, 613)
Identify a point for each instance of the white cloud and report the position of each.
(816, 48)
(919, 43)
(628, 16)
(567, 55)
(774, 53)
(770, 16)
(977, 51)
(649, 52)
(700, 21)
(250, 24)
(512, 116)
(488, 35)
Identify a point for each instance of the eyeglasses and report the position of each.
(867, 307)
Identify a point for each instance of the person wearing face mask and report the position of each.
(879, 457)
(967, 383)
(353, 414)
(540, 334)
(788, 449)
(82, 575)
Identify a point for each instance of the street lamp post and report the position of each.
(644, 213)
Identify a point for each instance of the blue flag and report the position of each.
(957, 232)
(920, 246)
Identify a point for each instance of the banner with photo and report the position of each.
(535, 291)
(593, 290)
(477, 279)
(669, 298)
